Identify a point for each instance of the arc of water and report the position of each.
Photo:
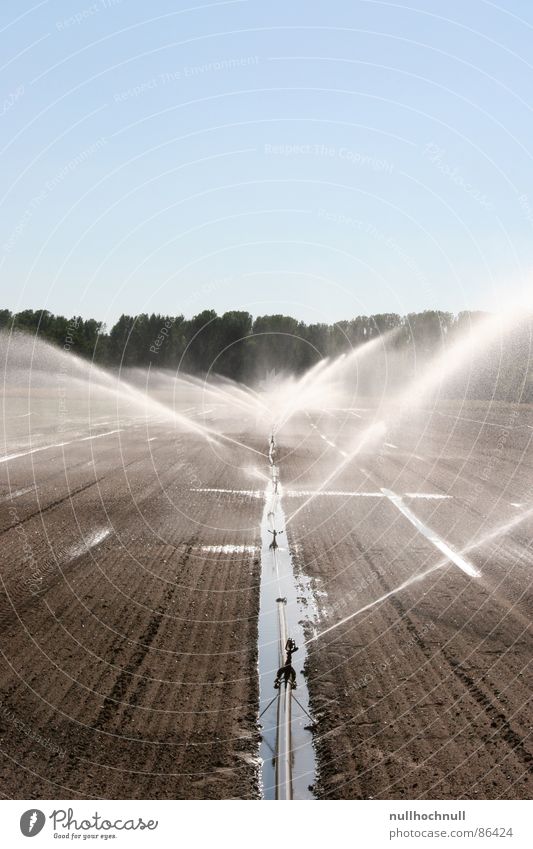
(496, 532)
(442, 367)
(370, 433)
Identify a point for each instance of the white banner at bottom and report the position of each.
(368, 824)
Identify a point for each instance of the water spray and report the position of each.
(371, 433)
(496, 532)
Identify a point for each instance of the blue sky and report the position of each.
(317, 159)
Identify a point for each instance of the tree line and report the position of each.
(237, 345)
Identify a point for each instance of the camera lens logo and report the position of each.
(31, 822)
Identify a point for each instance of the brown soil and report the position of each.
(427, 694)
(129, 670)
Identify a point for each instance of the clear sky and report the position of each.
(321, 159)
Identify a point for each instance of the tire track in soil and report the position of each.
(341, 758)
(53, 504)
(115, 701)
(503, 728)
(20, 597)
(69, 495)
(201, 738)
(329, 753)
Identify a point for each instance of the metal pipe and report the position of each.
(284, 713)
(284, 741)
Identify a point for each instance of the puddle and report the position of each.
(17, 493)
(251, 493)
(89, 542)
(230, 549)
